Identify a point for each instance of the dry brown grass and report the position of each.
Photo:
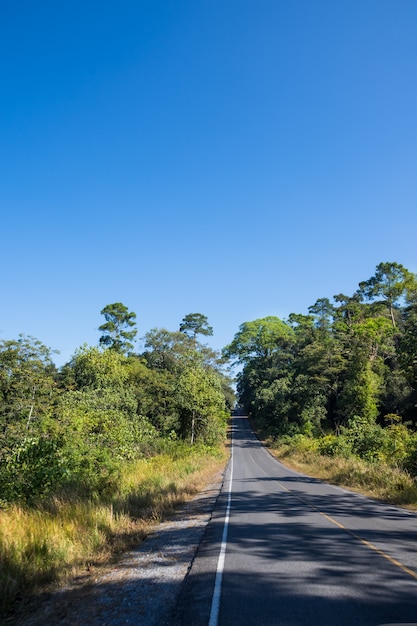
(375, 480)
(66, 538)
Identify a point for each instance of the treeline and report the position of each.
(346, 373)
(71, 430)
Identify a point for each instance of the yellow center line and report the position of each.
(370, 545)
(366, 543)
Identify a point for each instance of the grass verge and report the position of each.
(66, 536)
(376, 480)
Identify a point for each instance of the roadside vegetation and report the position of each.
(335, 392)
(94, 453)
(382, 480)
(63, 537)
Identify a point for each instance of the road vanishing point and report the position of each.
(286, 549)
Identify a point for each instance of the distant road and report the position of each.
(299, 552)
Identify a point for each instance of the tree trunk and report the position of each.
(192, 428)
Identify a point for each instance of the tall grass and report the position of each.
(66, 535)
(378, 479)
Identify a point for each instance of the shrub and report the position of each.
(365, 438)
(331, 445)
(410, 459)
(31, 471)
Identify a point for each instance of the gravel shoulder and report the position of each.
(143, 586)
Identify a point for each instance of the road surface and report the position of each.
(297, 552)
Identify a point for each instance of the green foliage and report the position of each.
(331, 445)
(341, 368)
(408, 346)
(410, 459)
(26, 384)
(155, 395)
(116, 333)
(181, 387)
(96, 368)
(365, 438)
(75, 430)
(32, 469)
(28, 440)
(195, 324)
(201, 403)
(164, 349)
(259, 338)
(390, 282)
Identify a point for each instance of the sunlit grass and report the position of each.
(67, 535)
(376, 480)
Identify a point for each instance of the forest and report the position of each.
(73, 429)
(344, 376)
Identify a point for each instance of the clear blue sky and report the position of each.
(236, 158)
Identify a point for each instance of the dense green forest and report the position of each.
(344, 375)
(71, 430)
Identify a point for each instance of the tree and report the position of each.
(27, 385)
(258, 339)
(355, 360)
(195, 324)
(155, 392)
(323, 311)
(97, 369)
(169, 357)
(263, 347)
(390, 282)
(201, 403)
(116, 334)
(165, 349)
(28, 442)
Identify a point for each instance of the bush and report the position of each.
(410, 459)
(32, 470)
(298, 443)
(331, 445)
(365, 438)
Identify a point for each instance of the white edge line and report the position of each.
(215, 603)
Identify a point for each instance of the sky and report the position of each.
(235, 158)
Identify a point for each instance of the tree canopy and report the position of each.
(75, 428)
(195, 324)
(353, 358)
(259, 338)
(116, 334)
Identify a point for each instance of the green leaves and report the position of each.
(27, 385)
(390, 282)
(95, 368)
(201, 403)
(117, 335)
(75, 429)
(259, 338)
(195, 324)
(356, 356)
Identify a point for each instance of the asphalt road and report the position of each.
(298, 552)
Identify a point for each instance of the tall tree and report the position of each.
(27, 429)
(116, 333)
(258, 339)
(165, 349)
(389, 283)
(27, 385)
(195, 324)
(201, 402)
